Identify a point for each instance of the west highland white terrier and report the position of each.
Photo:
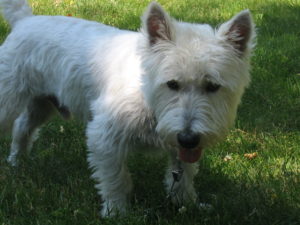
(172, 86)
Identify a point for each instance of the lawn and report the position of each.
(263, 188)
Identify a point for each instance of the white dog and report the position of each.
(173, 86)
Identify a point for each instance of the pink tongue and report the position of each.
(190, 155)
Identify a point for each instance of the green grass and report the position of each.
(53, 185)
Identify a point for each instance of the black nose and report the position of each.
(188, 139)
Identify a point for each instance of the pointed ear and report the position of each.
(239, 32)
(157, 24)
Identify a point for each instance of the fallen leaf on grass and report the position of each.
(227, 158)
(251, 155)
(61, 129)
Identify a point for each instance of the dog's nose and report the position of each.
(188, 139)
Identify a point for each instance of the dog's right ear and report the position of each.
(157, 24)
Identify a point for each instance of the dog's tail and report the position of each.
(15, 10)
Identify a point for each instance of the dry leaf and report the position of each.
(251, 155)
(227, 158)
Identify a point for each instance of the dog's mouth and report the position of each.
(190, 155)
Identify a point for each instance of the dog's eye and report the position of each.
(212, 88)
(173, 85)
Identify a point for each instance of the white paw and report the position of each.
(205, 207)
(12, 160)
(111, 209)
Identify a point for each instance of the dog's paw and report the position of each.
(110, 209)
(181, 195)
(205, 207)
(12, 160)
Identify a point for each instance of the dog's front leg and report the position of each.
(107, 158)
(181, 190)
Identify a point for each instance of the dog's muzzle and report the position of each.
(189, 151)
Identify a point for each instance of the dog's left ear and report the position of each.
(239, 32)
(157, 24)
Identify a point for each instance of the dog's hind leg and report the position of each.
(25, 126)
(14, 93)
(12, 103)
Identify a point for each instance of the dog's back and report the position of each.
(54, 56)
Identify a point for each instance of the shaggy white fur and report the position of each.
(174, 86)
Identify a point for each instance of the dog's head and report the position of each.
(194, 77)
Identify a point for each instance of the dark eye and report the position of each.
(212, 88)
(173, 85)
